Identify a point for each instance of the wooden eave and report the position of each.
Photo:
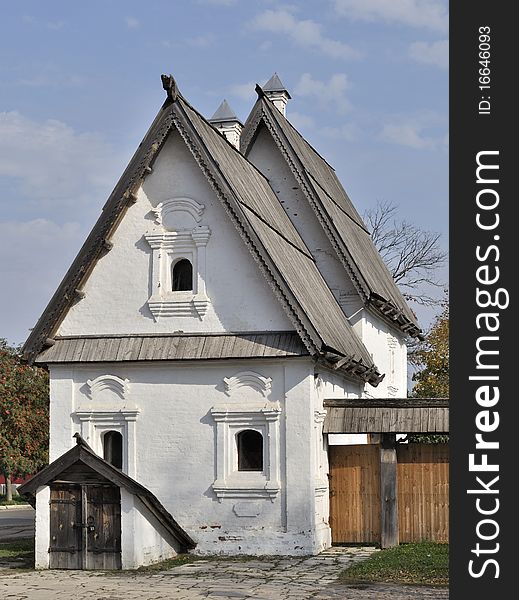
(387, 415)
(82, 453)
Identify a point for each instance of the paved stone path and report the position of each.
(277, 578)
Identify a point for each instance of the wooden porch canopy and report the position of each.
(387, 415)
(83, 461)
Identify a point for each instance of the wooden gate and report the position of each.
(355, 493)
(422, 472)
(423, 492)
(85, 526)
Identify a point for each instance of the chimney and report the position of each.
(227, 123)
(277, 93)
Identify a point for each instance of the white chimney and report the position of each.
(225, 120)
(277, 93)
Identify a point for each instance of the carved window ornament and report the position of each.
(178, 239)
(111, 383)
(247, 450)
(109, 411)
(248, 379)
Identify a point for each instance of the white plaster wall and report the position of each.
(265, 155)
(389, 351)
(175, 449)
(42, 528)
(143, 539)
(118, 289)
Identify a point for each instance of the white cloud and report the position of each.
(420, 131)
(300, 120)
(406, 134)
(52, 165)
(244, 91)
(35, 255)
(429, 14)
(132, 23)
(52, 25)
(51, 76)
(201, 41)
(347, 131)
(332, 92)
(304, 33)
(434, 53)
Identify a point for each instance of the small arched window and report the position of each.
(182, 276)
(250, 450)
(113, 448)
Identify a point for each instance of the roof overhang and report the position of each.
(387, 415)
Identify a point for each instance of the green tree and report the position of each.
(431, 358)
(24, 416)
(432, 361)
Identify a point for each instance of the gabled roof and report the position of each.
(341, 222)
(82, 453)
(254, 209)
(224, 113)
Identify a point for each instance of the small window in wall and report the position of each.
(113, 448)
(250, 450)
(182, 276)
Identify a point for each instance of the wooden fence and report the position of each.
(422, 493)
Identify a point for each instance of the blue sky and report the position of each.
(80, 84)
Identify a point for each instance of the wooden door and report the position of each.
(85, 526)
(65, 527)
(355, 493)
(103, 529)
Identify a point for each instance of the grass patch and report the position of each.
(424, 563)
(17, 554)
(16, 500)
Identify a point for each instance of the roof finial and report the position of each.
(226, 121)
(277, 93)
(170, 85)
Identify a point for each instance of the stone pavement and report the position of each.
(273, 578)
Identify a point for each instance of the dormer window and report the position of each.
(182, 276)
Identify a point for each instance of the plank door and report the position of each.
(355, 494)
(65, 527)
(103, 527)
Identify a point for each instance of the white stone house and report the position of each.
(228, 287)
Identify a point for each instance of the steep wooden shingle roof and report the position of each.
(262, 223)
(340, 220)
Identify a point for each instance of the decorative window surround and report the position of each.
(108, 382)
(321, 485)
(94, 424)
(251, 379)
(169, 245)
(176, 205)
(231, 483)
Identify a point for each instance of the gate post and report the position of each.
(388, 491)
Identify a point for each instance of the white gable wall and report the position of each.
(265, 155)
(118, 289)
(389, 350)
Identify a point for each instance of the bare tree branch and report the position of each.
(413, 256)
